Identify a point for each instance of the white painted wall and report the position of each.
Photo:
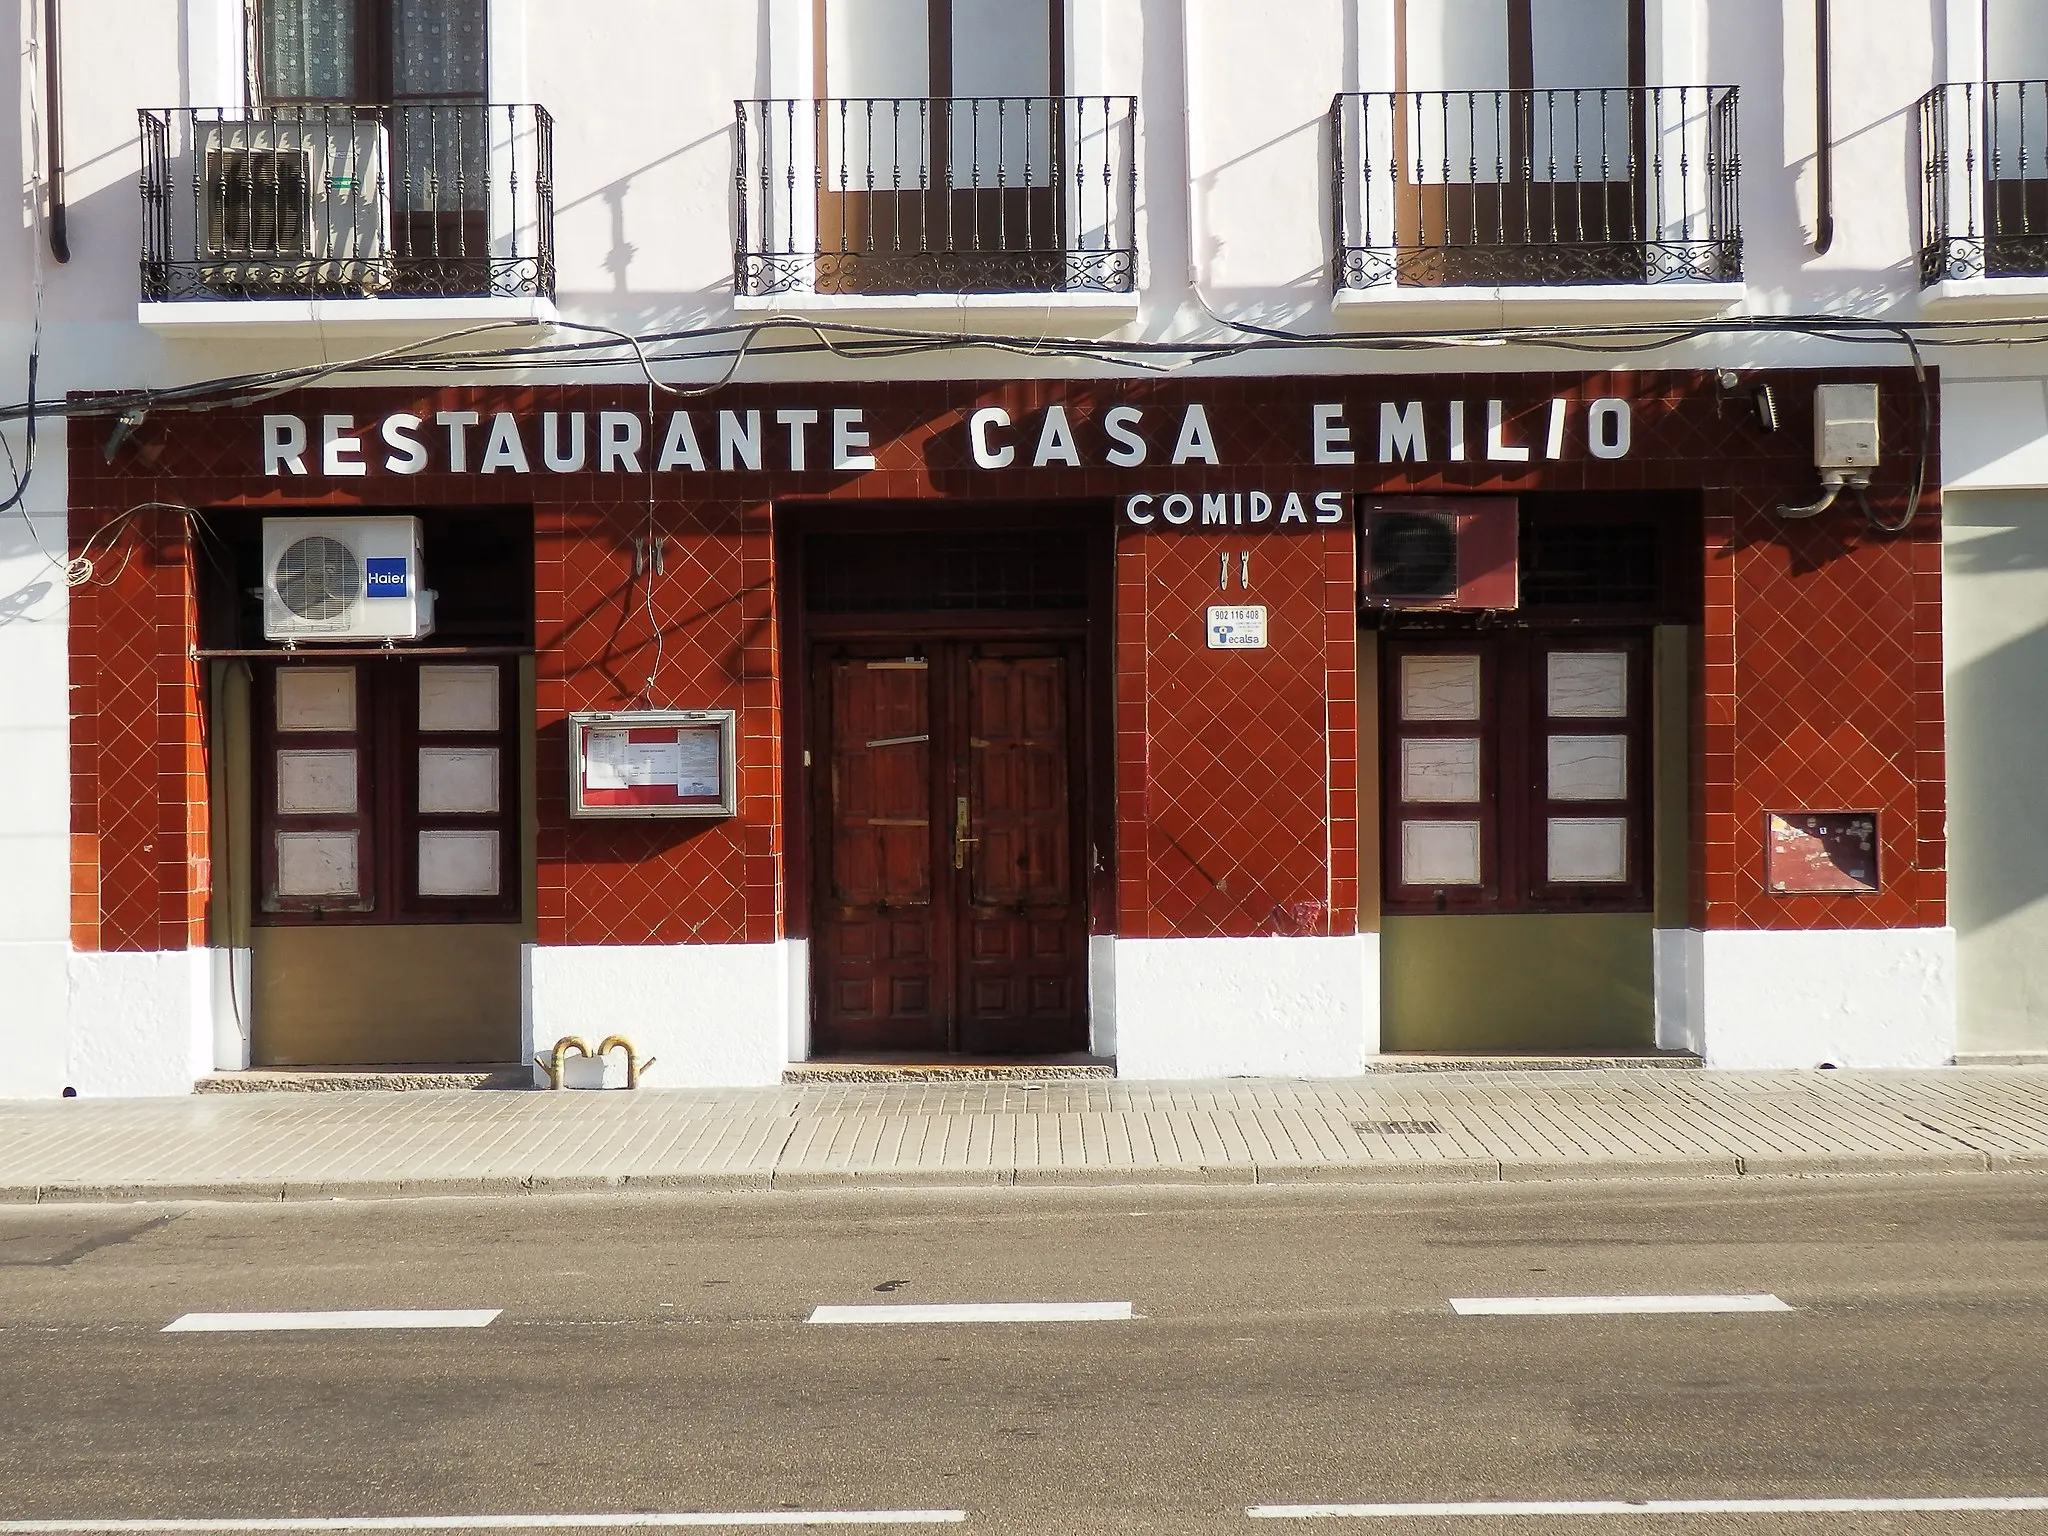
(1857, 998)
(1195, 1008)
(714, 1014)
(140, 1024)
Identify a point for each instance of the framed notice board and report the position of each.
(652, 762)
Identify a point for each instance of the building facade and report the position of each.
(932, 530)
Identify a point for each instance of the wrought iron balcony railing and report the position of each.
(1984, 180)
(330, 201)
(964, 194)
(1535, 187)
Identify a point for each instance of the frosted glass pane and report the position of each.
(1457, 45)
(1589, 767)
(877, 48)
(1587, 850)
(458, 698)
(317, 864)
(458, 781)
(1439, 687)
(2015, 41)
(1589, 685)
(458, 864)
(316, 698)
(1002, 48)
(1440, 770)
(1576, 43)
(316, 783)
(1440, 852)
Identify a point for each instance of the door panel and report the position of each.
(878, 954)
(950, 911)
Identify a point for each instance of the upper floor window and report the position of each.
(1522, 145)
(1984, 155)
(938, 152)
(371, 51)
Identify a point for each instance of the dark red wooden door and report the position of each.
(949, 911)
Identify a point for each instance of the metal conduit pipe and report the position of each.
(1824, 134)
(53, 133)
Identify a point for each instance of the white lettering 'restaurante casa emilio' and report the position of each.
(836, 439)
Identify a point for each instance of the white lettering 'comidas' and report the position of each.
(1234, 509)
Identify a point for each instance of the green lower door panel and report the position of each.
(1548, 982)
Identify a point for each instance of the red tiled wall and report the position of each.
(1237, 775)
(657, 882)
(1822, 691)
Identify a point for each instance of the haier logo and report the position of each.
(387, 576)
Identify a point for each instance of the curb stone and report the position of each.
(1449, 1171)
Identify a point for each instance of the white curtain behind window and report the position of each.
(438, 48)
(309, 49)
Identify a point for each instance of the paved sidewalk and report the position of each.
(1395, 1127)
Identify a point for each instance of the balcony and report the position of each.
(884, 201)
(1532, 192)
(367, 215)
(1984, 190)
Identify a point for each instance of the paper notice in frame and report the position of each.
(652, 763)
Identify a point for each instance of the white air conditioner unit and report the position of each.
(344, 578)
(294, 202)
(1439, 552)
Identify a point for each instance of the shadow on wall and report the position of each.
(1998, 710)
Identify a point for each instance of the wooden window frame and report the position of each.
(387, 740)
(376, 65)
(1514, 807)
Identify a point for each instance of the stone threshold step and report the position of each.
(949, 1069)
(399, 1078)
(1530, 1061)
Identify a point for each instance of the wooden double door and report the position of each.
(948, 847)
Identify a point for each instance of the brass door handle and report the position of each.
(961, 840)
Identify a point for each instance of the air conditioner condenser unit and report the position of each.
(330, 579)
(1439, 552)
(294, 202)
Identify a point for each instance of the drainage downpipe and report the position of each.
(53, 133)
(1824, 134)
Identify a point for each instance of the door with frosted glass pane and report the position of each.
(1517, 772)
(2015, 159)
(416, 73)
(938, 136)
(1518, 139)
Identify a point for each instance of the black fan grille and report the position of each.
(319, 579)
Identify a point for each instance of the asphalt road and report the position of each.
(1288, 1347)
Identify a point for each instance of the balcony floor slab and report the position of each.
(389, 320)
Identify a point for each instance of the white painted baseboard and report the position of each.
(1194, 1008)
(1845, 998)
(715, 1015)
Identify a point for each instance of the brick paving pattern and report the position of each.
(1395, 1127)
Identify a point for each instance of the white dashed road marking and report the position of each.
(1609, 1306)
(1551, 1509)
(636, 1521)
(286, 1322)
(979, 1312)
